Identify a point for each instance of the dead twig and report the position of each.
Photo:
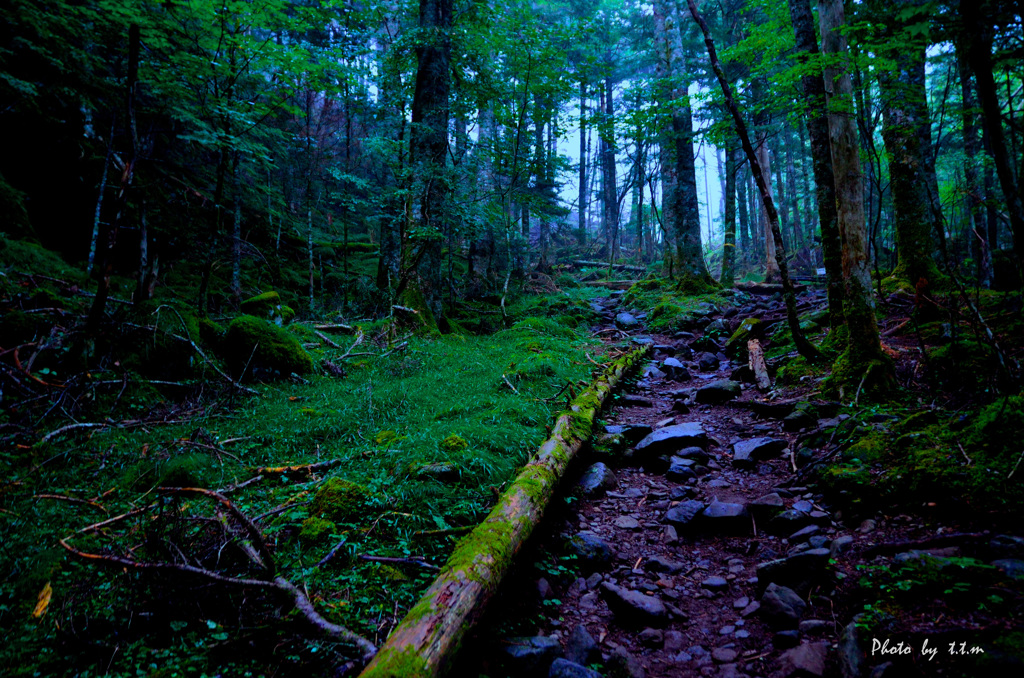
(509, 384)
(73, 500)
(307, 469)
(71, 427)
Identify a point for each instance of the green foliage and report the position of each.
(316, 531)
(453, 444)
(271, 347)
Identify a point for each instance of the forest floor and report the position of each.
(695, 548)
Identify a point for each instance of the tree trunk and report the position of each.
(863, 356)
(771, 268)
(109, 238)
(729, 244)
(428, 148)
(980, 246)
(905, 113)
(609, 174)
(742, 205)
(581, 230)
(804, 347)
(236, 232)
(821, 158)
(978, 36)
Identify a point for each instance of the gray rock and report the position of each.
(767, 506)
(695, 453)
(626, 321)
(804, 534)
(781, 607)
(633, 607)
(643, 340)
(674, 641)
(1006, 546)
(651, 372)
(529, 656)
(804, 660)
(798, 420)
(719, 391)
(581, 647)
(633, 433)
(740, 603)
(1011, 567)
(563, 668)
(597, 480)
(679, 472)
(652, 638)
(797, 572)
(719, 326)
(803, 505)
(672, 438)
(746, 452)
(813, 627)
(622, 663)
(544, 590)
(590, 549)
(724, 655)
(750, 609)
(707, 362)
(675, 370)
(819, 541)
(715, 583)
(627, 523)
(840, 545)
(787, 638)
(726, 517)
(660, 563)
(787, 522)
(684, 514)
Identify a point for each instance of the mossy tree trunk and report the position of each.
(429, 142)
(863, 356)
(821, 158)
(424, 643)
(905, 125)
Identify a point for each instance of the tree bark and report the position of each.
(821, 159)
(582, 206)
(429, 142)
(863, 354)
(978, 38)
(978, 234)
(729, 244)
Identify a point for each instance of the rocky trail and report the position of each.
(698, 549)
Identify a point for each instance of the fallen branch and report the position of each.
(73, 500)
(757, 365)
(71, 427)
(306, 469)
(931, 542)
(423, 642)
(509, 384)
(254, 547)
(327, 340)
(617, 267)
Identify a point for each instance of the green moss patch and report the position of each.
(271, 347)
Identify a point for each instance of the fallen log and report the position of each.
(422, 645)
(766, 288)
(611, 284)
(617, 267)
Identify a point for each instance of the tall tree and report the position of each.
(863, 357)
(821, 157)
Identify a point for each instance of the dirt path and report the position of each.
(697, 553)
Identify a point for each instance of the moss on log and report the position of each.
(424, 642)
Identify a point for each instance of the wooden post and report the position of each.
(424, 642)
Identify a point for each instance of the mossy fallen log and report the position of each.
(424, 643)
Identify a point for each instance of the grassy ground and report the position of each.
(423, 438)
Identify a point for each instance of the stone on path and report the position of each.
(581, 648)
(622, 663)
(797, 572)
(781, 607)
(590, 549)
(746, 453)
(683, 514)
(804, 661)
(787, 522)
(724, 655)
(767, 506)
(724, 517)
(626, 320)
(597, 480)
(634, 608)
(675, 370)
(529, 656)
(718, 391)
(563, 668)
(627, 523)
(672, 438)
(715, 583)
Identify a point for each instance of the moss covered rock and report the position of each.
(338, 500)
(269, 307)
(315, 530)
(750, 328)
(276, 350)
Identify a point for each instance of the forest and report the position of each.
(567, 338)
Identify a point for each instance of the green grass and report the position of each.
(389, 416)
